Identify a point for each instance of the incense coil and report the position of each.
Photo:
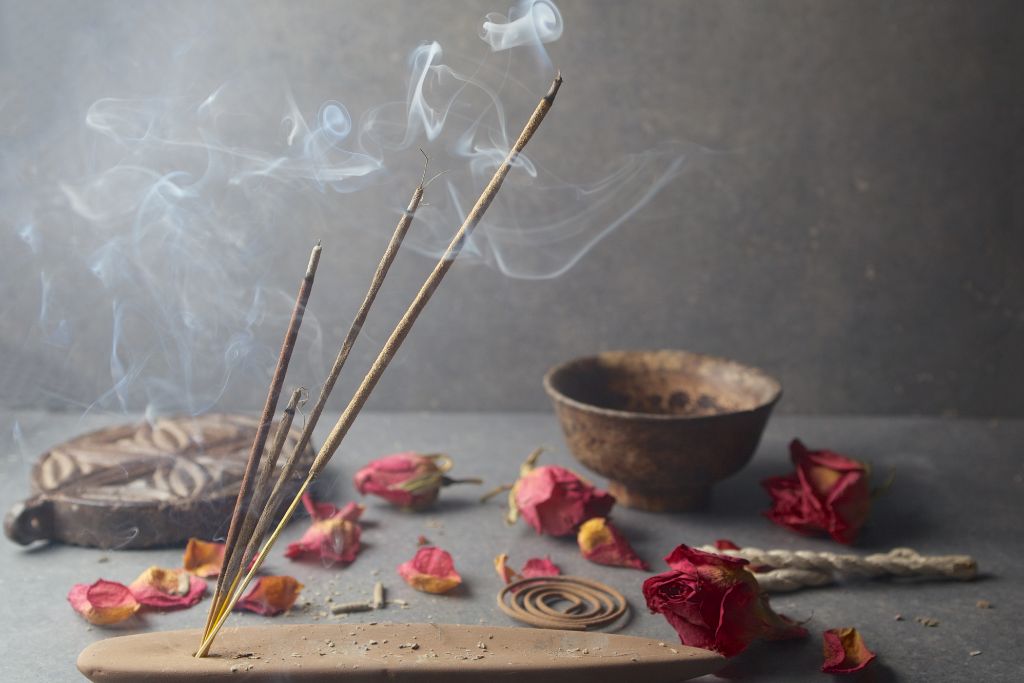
(536, 601)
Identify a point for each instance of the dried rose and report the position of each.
(713, 602)
(827, 492)
(332, 537)
(554, 500)
(726, 544)
(270, 595)
(104, 602)
(167, 588)
(534, 567)
(203, 558)
(431, 570)
(845, 651)
(409, 480)
(602, 543)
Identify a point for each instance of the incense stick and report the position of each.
(266, 517)
(263, 428)
(391, 347)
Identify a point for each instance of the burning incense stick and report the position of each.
(273, 501)
(391, 347)
(263, 428)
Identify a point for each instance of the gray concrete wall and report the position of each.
(854, 223)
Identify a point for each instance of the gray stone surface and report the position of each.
(959, 488)
(857, 229)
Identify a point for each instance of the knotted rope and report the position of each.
(790, 570)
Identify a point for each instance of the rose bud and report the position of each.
(828, 492)
(713, 602)
(552, 499)
(409, 480)
(602, 543)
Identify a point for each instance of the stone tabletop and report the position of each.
(958, 488)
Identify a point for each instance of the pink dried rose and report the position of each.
(713, 602)
(409, 480)
(554, 500)
(431, 570)
(203, 558)
(103, 602)
(534, 567)
(845, 651)
(270, 595)
(167, 588)
(602, 543)
(828, 492)
(332, 537)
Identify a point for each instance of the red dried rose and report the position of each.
(409, 480)
(713, 602)
(726, 544)
(845, 651)
(203, 558)
(270, 595)
(332, 537)
(827, 492)
(431, 570)
(167, 588)
(534, 567)
(602, 543)
(554, 500)
(104, 602)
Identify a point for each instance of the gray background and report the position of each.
(854, 227)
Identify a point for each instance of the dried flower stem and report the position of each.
(394, 342)
(263, 428)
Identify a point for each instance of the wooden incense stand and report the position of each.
(394, 652)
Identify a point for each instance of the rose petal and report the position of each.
(507, 574)
(203, 558)
(431, 570)
(540, 566)
(333, 540)
(270, 595)
(317, 510)
(103, 602)
(167, 588)
(602, 543)
(726, 544)
(845, 651)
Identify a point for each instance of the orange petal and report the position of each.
(167, 588)
(602, 543)
(506, 573)
(104, 602)
(431, 570)
(270, 595)
(845, 651)
(203, 558)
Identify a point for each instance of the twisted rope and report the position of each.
(791, 570)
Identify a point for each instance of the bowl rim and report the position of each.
(560, 397)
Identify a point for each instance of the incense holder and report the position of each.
(663, 426)
(394, 652)
(139, 485)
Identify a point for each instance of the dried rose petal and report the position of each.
(104, 602)
(726, 544)
(167, 588)
(602, 543)
(555, 501)
(203, 558)
(845, 651)
(270, 595)
(332, 537)
(534, 567)
(431, 570)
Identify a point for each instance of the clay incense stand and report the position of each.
(366, 653)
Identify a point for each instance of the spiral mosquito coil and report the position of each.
(563, 602)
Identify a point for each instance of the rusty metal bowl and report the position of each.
(663, 426)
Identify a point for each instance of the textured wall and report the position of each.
(854, 226)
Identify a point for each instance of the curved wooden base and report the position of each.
(367, 653)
